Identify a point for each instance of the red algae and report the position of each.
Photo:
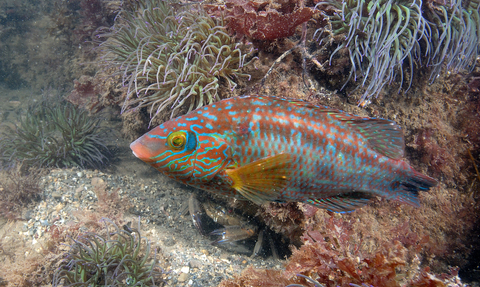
(437, 158)
(85, 94)
(336, 257)
(263, 20)
(18, 189)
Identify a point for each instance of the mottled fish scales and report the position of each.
(264, 148)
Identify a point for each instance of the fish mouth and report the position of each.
(134, 153)
(133, 147)
(140, 149)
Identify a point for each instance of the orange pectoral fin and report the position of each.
(262, 180)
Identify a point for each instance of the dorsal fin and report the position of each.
(383, 136)
(308, 105)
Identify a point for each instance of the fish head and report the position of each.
(183, 150)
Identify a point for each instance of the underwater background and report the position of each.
(81, 79)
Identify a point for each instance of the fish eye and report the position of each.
(177, 140)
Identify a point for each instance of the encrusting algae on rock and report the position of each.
(264, 148)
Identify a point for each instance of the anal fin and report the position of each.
(344, 202)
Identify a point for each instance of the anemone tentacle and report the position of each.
(385, 36)
(170, 57)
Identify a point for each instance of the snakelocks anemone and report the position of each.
(115, 257)
(171, 55)
(379, 35)
(455, 35)
(54, 134)
(383, 35)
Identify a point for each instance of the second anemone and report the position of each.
(54, 135)
(171, 56)
(121, 257)
(379, 36)
(455, 34)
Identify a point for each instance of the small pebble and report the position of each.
(182, 277)
(194, 263)
(185, 269)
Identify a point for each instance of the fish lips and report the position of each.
(146, 148)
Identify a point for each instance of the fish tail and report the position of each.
(407, 188)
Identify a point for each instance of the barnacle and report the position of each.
(380, 36)
(54, 134)
(171, 56)
(118, 258)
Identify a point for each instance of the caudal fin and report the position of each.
(406, 190)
